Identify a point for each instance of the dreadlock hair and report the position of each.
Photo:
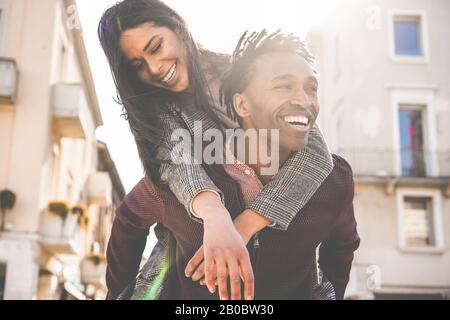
(142, 103)
(250, 47)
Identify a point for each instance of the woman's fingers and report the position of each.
(194, 262)
(203, 282)
(222, 279)
(199, 273)
(230, 271)
(246, 272)
(235, 280)
(210, 274)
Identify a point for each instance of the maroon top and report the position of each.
(283, 261)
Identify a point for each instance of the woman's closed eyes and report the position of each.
(139, 66)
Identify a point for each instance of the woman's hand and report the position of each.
(224, 252)
(197, 262)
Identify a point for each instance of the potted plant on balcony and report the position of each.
(60, 208)
(93, 267)
(82, 215)
(72, 220)
(53, 218)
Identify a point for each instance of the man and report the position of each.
(270, 85)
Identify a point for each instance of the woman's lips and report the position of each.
(170, 74)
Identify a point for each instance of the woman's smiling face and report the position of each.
(157, 55)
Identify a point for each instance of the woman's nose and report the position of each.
(155, 67)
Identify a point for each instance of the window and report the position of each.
(409, 38)
(411, 141)
(414, 136)
(2, 280)
(420, 219)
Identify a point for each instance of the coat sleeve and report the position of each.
(179, 170)
(139, 210)
(337, 251)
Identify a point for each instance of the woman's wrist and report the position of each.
(207, 205)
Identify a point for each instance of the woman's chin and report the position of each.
(180, 87)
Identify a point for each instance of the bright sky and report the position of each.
(217, 25)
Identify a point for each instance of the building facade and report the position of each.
(53, 235)
(385, 106)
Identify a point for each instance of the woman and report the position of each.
(166, 81)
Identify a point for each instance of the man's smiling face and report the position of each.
(282, 94)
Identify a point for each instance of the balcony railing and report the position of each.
(402, 163)
(413, 162)
(67, 103)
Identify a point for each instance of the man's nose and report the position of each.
(301, 99)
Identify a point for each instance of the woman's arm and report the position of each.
(296, 182)
(179, 170)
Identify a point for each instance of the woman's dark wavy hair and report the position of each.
(142, 103)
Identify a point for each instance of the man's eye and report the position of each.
(283, 87)
(313, 89)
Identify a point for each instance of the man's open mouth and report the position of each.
(298, 121)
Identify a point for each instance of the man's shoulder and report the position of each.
(341, 167)
(340, 179)
(144, 196)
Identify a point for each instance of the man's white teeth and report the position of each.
(170, 74)
(297, 120)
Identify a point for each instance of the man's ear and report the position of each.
(241, 105)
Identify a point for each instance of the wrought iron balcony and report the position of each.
(408, 163)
